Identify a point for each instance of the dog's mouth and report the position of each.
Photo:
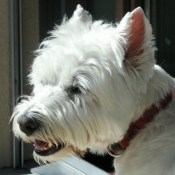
(45, 149)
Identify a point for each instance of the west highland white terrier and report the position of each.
(96, 86)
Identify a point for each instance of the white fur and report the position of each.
(90, 54)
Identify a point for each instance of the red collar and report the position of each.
(139, 124)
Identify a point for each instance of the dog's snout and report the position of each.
(27, 124)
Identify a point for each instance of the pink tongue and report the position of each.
(40, 144)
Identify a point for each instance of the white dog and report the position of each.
(96, 85)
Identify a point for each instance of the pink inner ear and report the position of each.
(137, 31)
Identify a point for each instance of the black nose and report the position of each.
(27, 124)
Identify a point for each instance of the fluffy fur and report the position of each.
(90, 81)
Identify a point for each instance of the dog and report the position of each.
(96, 85)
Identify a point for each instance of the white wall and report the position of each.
(5, 134)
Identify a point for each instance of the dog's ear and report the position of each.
(135, 37)
(81, 15)
(137, 33)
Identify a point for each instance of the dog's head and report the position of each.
(86, 78)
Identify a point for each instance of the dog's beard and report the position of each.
(65, 152)
(52, 149)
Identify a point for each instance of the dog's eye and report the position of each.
(75, 90)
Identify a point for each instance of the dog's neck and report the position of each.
(144, 119)
(158, 86)
(149, 114)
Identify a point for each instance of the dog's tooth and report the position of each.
(50, 145)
